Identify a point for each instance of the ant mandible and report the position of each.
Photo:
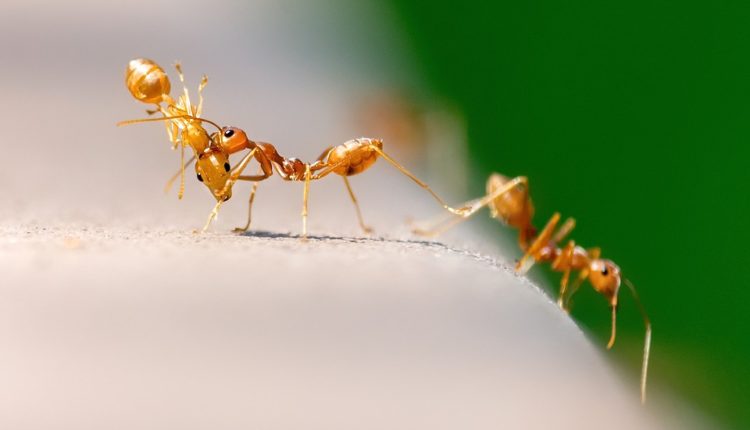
(510, 203)
(149, 83)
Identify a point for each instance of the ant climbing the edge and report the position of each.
(510, 203)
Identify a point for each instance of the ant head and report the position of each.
(212, 168)
(147, 81)
(605, 277)
(231, 140)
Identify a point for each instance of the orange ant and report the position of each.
(509, 202)
(148, 83)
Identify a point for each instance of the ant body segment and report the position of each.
(148, 83)
(509, 202)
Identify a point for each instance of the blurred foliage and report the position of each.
(633, 117)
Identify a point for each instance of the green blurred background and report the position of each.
(633, 117)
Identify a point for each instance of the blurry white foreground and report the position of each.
(125, 328)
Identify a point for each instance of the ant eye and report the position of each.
(605, 271)
(200, 178)
(227, 166)
(228, 133)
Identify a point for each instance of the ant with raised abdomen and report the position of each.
(148, 83)
(510, 203)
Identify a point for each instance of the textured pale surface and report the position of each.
(127, 328)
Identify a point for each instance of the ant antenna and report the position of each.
(140, 120)
(646, 340)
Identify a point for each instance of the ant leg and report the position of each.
(176, 175)
(593, 253)
(471, 207)
(563, 287)
(249, 210)
(201, 86)
(362, 225)
(564, 260)
(402, 169)
(304, 202)
(564, 230)
(181, 191)
(172, 132)
(214, 213)
(540, 241)
(186, 95)
(442, 223)
(236, 172)
(582, 276)
(256, 181)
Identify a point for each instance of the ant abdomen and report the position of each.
(513, 207)
(147, 81)
(354, 156)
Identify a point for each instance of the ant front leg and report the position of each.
(594, 253)
(222, 196)
(472, 207)
(266, 170)
(443, 222)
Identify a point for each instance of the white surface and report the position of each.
(126, 328)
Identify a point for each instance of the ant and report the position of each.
(149, 83)
(509, 202)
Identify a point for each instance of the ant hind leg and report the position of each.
(365, 228)
(214, 213)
